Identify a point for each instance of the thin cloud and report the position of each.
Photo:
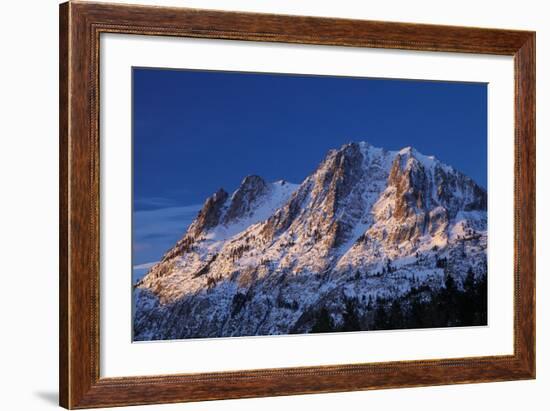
(154, 202)
(155, 231)
(145, 266)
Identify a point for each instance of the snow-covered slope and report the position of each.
(367, 224)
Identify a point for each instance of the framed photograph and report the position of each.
(259, 205)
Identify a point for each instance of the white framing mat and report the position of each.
(121, 357)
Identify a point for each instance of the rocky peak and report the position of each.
(242, 202)
(338, 174)
(210, 214)
(342, 201)
(321, 200)
(422, 196)
(365, 216)
(456, 191)
(411, 182)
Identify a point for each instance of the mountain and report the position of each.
(368, 231)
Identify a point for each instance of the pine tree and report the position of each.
(481, 300)
(351, 319)
(380, 317)
(469, 281)
(396, 319)
(417, 317)
(323, 323)
(448, 302)
(467, 301)
(450, 284)
(370, 303)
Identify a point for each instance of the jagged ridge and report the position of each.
(367, 224)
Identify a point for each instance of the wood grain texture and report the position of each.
(525, 202)
(63, 204)
(80, 27)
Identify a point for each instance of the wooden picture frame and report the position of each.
(80, 27)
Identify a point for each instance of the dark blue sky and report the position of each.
(197, 131)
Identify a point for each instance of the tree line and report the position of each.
(420, 307)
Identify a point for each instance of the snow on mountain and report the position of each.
(366, 224)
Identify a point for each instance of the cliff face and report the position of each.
(367, 224)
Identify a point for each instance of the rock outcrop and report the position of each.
(366, 224)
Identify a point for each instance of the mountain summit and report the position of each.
(369, 228)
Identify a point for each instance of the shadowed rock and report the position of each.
(366, 225)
